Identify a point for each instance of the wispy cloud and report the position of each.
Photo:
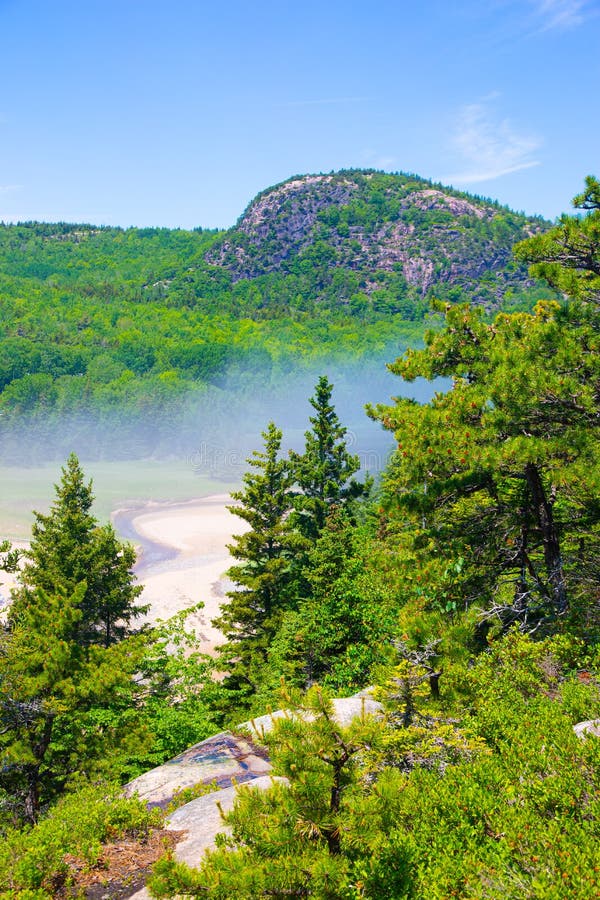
(10, 188)
(489, 148)
(561, 14)
(375, 160)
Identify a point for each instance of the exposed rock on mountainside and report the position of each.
(370, 223)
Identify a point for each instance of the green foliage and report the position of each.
(177, 708)
(106, 329)
(568, 256)
(186, 795)
(390, 240)
(67, 711)
(340, 628)
(68, 659)
(284, 615)
(319, 759)
(263, 574)
(496, 797)
(498, 475)
(472, 783)
(34, 861)
(324, 471)
(68, 550)
(9, 558)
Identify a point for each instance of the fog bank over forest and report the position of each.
(215, 428)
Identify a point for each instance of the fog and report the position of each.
(214, 429)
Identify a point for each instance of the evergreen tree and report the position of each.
(66, 711)
(324, 471)
(9, 558)
(568, 255)
(337, 632)
(263, 574)
(416, 807)
(498, 477)
(290, 840)
(69, 548)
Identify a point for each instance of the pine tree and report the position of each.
(69, 548)
(568, 255)
(265, 553)
(498, 477)
(292, 839)
(324, 471)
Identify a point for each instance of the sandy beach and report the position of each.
(182, 557)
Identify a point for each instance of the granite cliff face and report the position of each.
(375, 224)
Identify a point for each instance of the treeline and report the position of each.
(95, 361)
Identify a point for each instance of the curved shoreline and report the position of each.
(128, 522)
(183, 557)
(148, 552)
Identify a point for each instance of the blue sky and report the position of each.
(176, 113)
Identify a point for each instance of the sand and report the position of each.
(9, 580)
(183, 557)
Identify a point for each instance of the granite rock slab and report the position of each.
(224, 761)
(219, 760)
(583, 729)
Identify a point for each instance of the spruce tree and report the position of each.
(324, 471)
(69, 548)
(65, 710)
(265, 553)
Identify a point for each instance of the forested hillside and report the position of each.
(108, 330)
(466, 590)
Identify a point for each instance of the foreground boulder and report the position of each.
(221, 762)
(592, 726)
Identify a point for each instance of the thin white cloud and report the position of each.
(561, 14)
(10, 188)
(375, 160)
(489, 148)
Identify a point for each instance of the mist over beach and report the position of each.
(173, 510)
(182, 486)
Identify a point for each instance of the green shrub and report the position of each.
(33, 860)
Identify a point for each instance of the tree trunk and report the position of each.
(545, 520)
(32, 772)
(332, 834)
(32, 794)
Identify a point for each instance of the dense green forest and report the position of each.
(144, 333)
(463, 588)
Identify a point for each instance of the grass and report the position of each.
(116, 484)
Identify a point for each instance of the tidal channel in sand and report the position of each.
(182, 557)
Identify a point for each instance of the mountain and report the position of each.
(114, 339)
(371, 232)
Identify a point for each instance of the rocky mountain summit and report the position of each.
(379, 225)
